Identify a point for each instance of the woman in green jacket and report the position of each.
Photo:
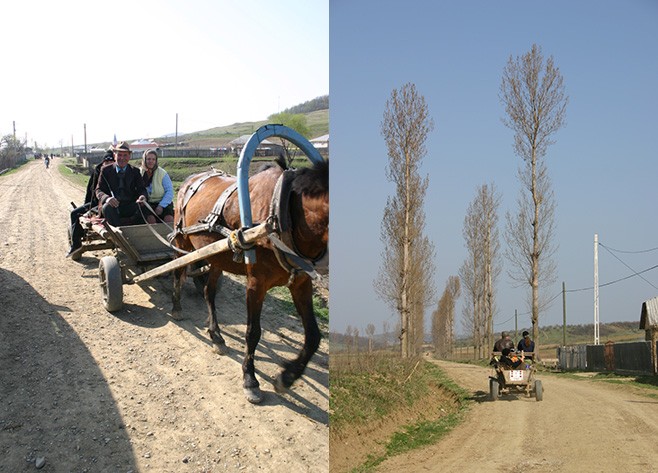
(159, 187)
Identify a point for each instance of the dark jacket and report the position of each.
(90, 196)
(507, 361)
(503, 343)
(108, 184)
(527, 349)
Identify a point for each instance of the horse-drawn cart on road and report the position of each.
(137, 248)
(505, 379)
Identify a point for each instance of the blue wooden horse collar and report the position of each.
(262, 133)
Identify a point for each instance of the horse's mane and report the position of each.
(312, 181)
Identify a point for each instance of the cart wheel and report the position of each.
(74, 256)
(539, 392)
(494, 389)
(109, 273)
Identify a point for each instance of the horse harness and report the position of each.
(279, 221)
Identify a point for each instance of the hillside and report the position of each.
(220, 137)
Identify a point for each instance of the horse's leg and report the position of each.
(177, 310)
(209, 293)
(302, 296)
(255, 297)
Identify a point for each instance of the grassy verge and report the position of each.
(320, 305)
(74, 174)
(365, 389)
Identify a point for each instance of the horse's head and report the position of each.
(309, 207)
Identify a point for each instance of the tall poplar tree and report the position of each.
(406, 277)
(535, 101)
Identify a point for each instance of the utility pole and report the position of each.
(596, 289)
(14, 130)
(564, 315)
(177, 132)
(516, 324)
(85, 138)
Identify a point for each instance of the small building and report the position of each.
(265, 148)
(139, 146)
(321, 143)
(649, 323)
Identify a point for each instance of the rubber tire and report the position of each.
(109, 273)
(539, 391)
(494, 389)
(74, 256)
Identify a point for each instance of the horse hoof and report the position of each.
(253, 395)
(279, 385)
(220, 349)
(176, 315)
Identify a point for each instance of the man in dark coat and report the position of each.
(90, 203)
(121, 189)
(504, 342)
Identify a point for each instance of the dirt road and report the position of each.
(88, 391)
(581, 425)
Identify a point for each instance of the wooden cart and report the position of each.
(504, 379)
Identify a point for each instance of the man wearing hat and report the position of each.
(121, 188)
(504, 342)
(526, 345)
(90, 203)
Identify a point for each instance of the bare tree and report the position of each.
(533, 94)
(348, 338)
(405, 278)
(480, 270)
(370, 330)
(443, 332)
(385, 329)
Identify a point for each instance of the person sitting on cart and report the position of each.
(508, 361)
(91, 202)
(121, 189)
(159, 187)
(526, 345)
(504, 342)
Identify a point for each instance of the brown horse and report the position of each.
(309, 221)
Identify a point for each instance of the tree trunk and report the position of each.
(535, 257)
(407, 329)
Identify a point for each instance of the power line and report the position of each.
(613, 282)
(630, 252)
(619, 259)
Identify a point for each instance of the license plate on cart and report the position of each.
(516, 375)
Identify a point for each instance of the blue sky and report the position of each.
(603, 164)
(129, 66)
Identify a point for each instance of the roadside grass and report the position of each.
(73, 174)
(15, 169)
(320, 306)
(366, 388)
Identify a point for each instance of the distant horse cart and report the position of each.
(505, 379)
(287, 245)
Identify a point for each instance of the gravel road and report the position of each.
(581, 425)
(88, 391)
